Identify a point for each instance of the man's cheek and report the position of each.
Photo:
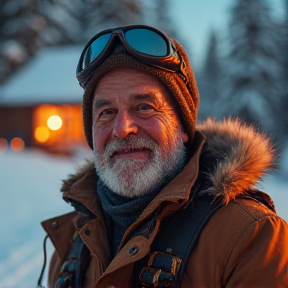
(99, 156)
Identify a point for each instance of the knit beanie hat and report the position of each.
(186, 96)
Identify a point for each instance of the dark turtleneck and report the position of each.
(120, 212)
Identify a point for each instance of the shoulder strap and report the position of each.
(178, 235)
(73, 269)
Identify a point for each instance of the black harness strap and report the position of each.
(72, 273)
(176, 238)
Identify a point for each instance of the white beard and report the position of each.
(137, 176)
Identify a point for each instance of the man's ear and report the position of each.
(184, 137)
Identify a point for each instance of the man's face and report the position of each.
(137, 137)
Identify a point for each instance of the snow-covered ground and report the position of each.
(29, 193)
(29, 189)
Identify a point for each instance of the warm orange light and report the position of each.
(3, 144)
(41, 134)
(68, 121)
(17, 144)
(54, 122)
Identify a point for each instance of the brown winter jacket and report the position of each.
(244, 244)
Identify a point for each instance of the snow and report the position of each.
(48, 78)
(29, 188)
(14, 51)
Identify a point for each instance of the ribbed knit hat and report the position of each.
(186, 96)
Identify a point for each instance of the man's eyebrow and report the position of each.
(101, 102)
(143, 97)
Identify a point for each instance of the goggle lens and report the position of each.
(95, 49)
(147, 42)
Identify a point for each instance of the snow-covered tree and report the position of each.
(75, 21)
(78, 20)
(283, 106)
(157, 13)
(253, 69)
(28, 25)
(20, 29)
(209, 81)
(285, 50)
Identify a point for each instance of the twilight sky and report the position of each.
(196, 18)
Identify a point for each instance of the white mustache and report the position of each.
(129, 144)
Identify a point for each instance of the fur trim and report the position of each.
(242, 156)
(73, 178)
(234, 159)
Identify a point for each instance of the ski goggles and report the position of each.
(147, 44)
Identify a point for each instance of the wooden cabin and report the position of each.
(40, 106)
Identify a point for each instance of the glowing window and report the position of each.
(66, 118)
(54, 122)
(41, 134)
(17, 144)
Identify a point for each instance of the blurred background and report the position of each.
(239, 53)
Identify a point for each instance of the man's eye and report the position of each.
(145, 107)
(106, 114)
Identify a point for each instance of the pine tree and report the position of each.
(253, 70)
(283, 119)
(157, 13)
(20, 29)
(28, 25)
(209, 81)
(75, 21)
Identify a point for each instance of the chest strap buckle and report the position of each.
(161, 271)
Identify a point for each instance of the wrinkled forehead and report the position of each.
(130, 81)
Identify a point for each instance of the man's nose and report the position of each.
(124, 125)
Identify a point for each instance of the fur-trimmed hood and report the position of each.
(240, 155)
(234, 159)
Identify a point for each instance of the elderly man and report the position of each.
(151, 171)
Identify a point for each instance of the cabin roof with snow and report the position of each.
(48, 78)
